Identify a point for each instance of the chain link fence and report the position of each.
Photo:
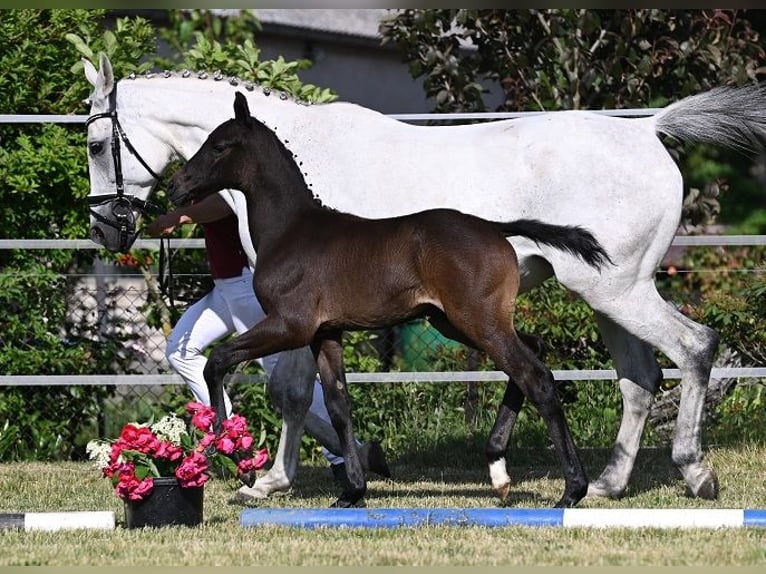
(115, 322)
(119, 320)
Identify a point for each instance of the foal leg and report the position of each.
(535, 380)
(500, 437)
(639, 378)
(269, 336)
(329, 354)
(508, 412)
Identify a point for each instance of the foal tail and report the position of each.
(731, 116)
(571, 238)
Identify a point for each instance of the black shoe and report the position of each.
(371, 456)
(374, 459)
(339, 475)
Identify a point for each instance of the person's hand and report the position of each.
(165, 224)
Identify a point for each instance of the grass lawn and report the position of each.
(222, 541)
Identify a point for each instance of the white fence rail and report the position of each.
(384, 377)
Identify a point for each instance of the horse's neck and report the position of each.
(276, 193)
(181, 112)
(272, 215)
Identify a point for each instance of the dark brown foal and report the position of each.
(322, 272)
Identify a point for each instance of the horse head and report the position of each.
(121, 181)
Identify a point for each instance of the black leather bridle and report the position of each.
(122, 205)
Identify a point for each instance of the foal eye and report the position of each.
(95, 148)
(219, 148)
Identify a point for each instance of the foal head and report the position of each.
(239, 154)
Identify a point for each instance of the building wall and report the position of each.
(348, 57)
(360, 72)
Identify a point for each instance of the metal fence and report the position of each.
(118, 299)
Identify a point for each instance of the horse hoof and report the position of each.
(248, 478)
(503, 491)
(708, 486)
(344, 503)
(247, 494)
(566, 502)
(599, 489)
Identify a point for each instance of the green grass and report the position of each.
(221, 541)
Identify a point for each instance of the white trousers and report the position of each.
(231, 306)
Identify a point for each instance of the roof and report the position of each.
(359, 22)
(353, 22)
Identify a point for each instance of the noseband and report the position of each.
(122, 206)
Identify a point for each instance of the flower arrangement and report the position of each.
(167, 448)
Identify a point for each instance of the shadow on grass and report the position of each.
(459, 463)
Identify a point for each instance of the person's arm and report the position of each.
(212, 208)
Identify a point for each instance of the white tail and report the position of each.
(729, 116)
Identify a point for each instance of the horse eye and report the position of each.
(219, 148)
(95, 148)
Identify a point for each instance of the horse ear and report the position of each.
(103, 80)
(241, 109)
(106, 73)
(90, 71)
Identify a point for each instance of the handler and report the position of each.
(231, 306)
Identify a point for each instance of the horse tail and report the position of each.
(731, 116)
(571, 238)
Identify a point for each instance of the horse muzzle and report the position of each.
(113, 222)
(175, 192)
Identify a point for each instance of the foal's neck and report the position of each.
(276, 192)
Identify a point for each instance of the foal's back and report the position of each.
(376, 272)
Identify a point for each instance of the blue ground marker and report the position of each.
(309, 518)
(50, 521)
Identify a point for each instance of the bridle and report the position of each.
(122, 206)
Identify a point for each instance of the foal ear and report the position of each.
(241, 110)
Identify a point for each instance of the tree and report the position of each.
(556, 59)
(43, 185)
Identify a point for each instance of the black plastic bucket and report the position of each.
(167, 505)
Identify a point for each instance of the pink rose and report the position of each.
(235, 426)
(138, 438)
(202, 415)
(245, 442)
(128, 486)
(246, 465)
(142, 489)
(169, 451)
(207, 440)
(261, 458)
(192, 470)
(254, 463)
(225, 445)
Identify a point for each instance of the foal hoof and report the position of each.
(567, 502)
(503, 491)
(344, 503)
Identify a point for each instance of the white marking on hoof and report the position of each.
(498, 474)
(252, 493)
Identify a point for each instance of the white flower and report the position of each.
(170, 428)
(99, 451)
